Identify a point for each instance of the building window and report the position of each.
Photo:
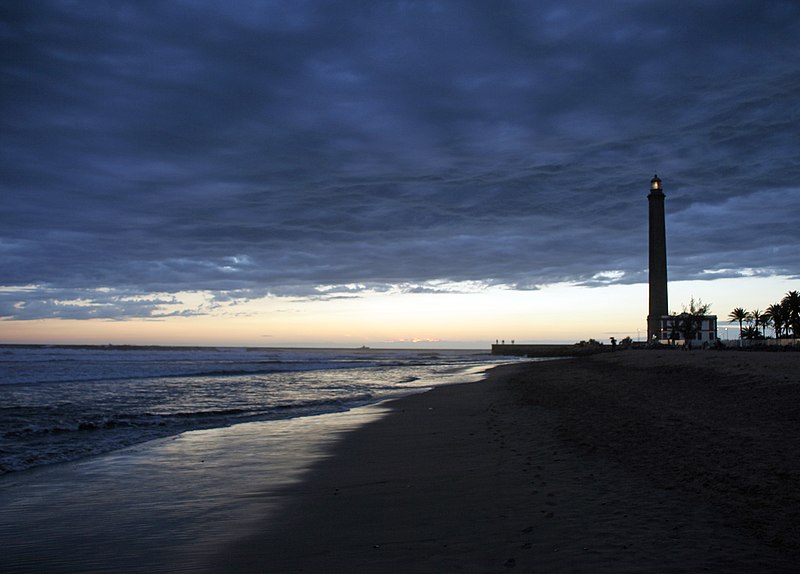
(711, 336)
(700, 336)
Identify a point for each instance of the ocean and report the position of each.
(62, 404)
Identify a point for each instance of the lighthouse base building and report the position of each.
(671, 331)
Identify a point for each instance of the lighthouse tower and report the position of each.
(657, 261)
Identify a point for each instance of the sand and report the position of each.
(637, 461)
(163, 506)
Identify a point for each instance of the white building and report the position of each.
(705, 330)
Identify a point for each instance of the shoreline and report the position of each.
(169, 503)
(630, 461)
(62, 406)
(166, 505)
(616, 462)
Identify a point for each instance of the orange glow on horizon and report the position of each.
(557, 314)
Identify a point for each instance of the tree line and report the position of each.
(783, 317)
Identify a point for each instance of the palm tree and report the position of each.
(751, 333)
(787, 319)
(777, 315)
(760, 319)
(739, 314)
(792, 303)
(755, 318)
(766, 321)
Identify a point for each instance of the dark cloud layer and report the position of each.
(246, 148)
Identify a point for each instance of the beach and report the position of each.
(632, 461)
(637, 461)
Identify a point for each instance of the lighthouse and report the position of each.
(657, 261)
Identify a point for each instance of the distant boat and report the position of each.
(363, 348)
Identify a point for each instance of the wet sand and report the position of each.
(164, 506)
(638, 461)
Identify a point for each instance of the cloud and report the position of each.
(39, 302)
(279, 147)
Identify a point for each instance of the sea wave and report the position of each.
(63, 437)
(64, 404)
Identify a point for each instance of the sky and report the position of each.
(389, 173)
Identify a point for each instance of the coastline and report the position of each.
(637, 461)
(631, 461)
(166, 505)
